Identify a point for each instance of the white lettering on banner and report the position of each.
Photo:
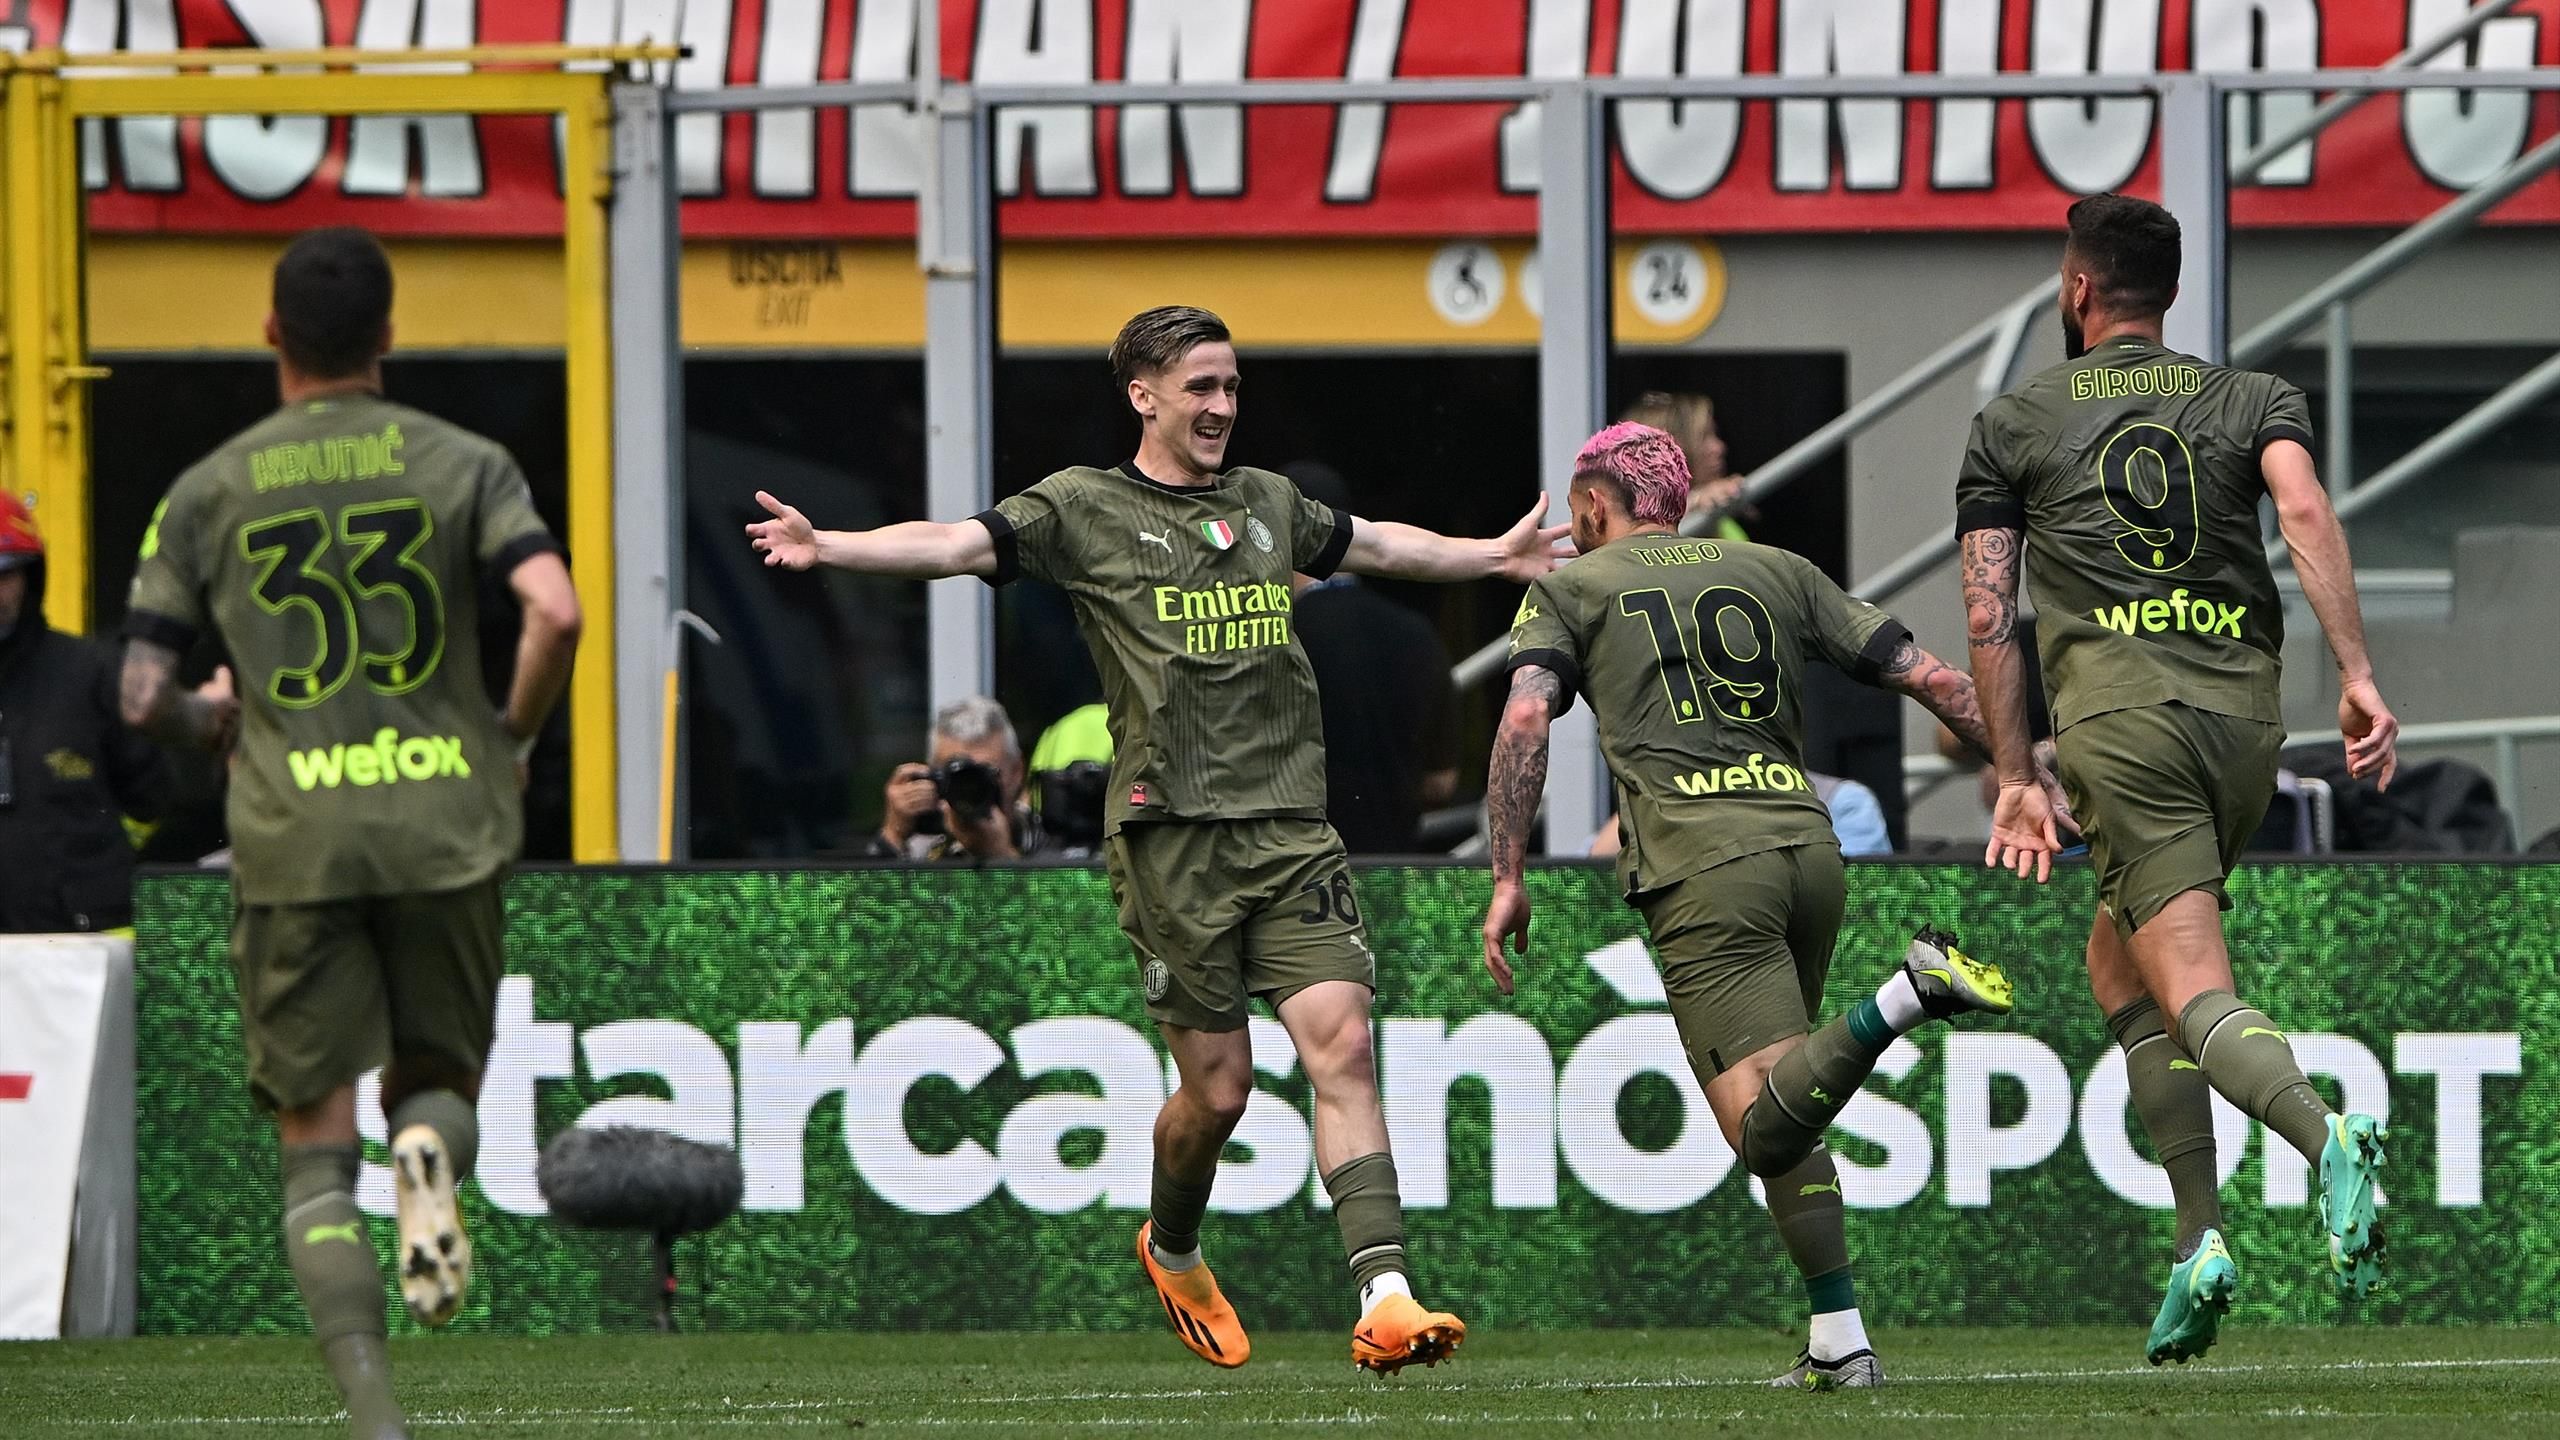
(448, 145)
(1895, 1129)
(2458, 1062)
(787, 140)
(888, 140)
(703, 28)
(1421, 1061)
(2108, 1142)
(2460, 137)
(2236, 35)
(698, 1105)
(1201, 40)
(875, 1114)
(1968, 44)
(1093, 1073)
(146, 144)
(1279, 1144)
(1360, 131)
(1847, 37)
(2092, 145)
(1976, 1148)
(1559, 49)
(781, 1078)
(1679, 149)
(1603, 1159)
(260, 156)
(1123, 1064)
(1031, 42)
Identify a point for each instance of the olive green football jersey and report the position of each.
(1692, 654)
(336, 548)
(1183, 597)
(2134, 473)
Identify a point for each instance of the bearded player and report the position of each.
(338, 550)
(1692, 654)
(1230, 884)
(2133, 474)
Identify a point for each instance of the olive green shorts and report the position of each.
(331, 990)
(2167, 796)
(1744, 948)
(1219, 910)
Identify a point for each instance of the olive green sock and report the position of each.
(1370, 1214)
(326, 1243)
(2176, 1106)
(451, 1117)
(1806, 1203)
(1174, 1209)
(2249, 1060)
(1806, 1090)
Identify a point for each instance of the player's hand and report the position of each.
(223, 704)
(1509, 918)
(1530, 550)
(2055, 797)
(2372, 731)
(988, 837)
(2022, 834)
(788, 539)
(908, 797)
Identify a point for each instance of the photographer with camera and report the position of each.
(966, 802)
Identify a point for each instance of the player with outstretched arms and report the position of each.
(337, 550)
(2133, 474)
(1230, 884)
(1692, 654)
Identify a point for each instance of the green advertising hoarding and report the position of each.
(941, 1085)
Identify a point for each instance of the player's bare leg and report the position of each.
(1807, 1206)
(1216, 1080)
(1329, 1025)
(429, 1105)
(2183, 962)
(326, 1243)
(2176, 1105)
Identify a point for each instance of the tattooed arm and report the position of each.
(1948, 693)
(206, 719)
(1518, 777)
(2023, 837)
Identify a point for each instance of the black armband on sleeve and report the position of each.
(1329, 559)
(160, 630)
(1889, 638)
(1990, 515)
(1008, 547)
(522, 548)
(2283, 430)
(1561, 665)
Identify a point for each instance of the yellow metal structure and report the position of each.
(43, 327)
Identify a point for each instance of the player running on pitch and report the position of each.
(2134, 474)
(1230, 883)
(337, 549)
(1692, 654)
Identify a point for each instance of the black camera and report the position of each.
(1071, 803)
(971, 788)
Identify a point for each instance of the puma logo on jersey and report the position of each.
(1832, 1189)
(2248, 1030)
(2183, 1065)
(348, 1232)
(1163, 541)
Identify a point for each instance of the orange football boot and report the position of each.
(1199, 1313)
(1398, 1332)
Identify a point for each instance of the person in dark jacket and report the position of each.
(70, 770)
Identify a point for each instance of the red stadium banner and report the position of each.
(1714, 167)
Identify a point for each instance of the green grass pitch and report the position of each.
(2046, 1384)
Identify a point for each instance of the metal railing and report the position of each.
(1925, 772)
